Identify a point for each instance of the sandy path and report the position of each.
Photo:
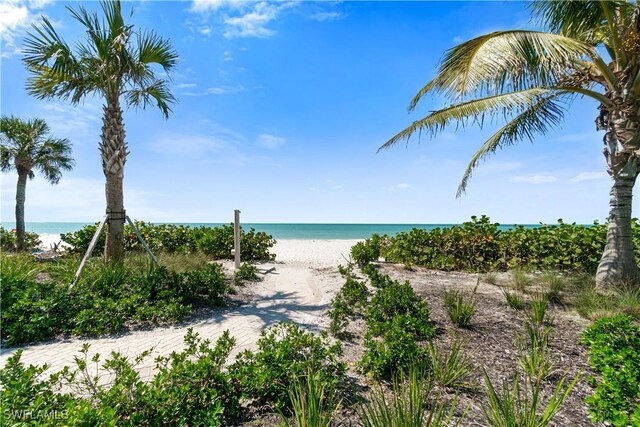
(298, 290)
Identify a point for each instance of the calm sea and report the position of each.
(279, 231)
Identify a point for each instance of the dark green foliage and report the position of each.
(104, 300)
(216, 242)
(479, 245)
(398, 303)
(8, 240)
(614, 352)
(286, 354)
(394, 352)
(348, 302)
(189, 389)
(366, 252)
(246, 273)
(397, 321)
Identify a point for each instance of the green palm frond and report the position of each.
(506, 104)
(157, 93)
(505, 61)
(538, 119)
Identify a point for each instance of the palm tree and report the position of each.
(592, 49)
(26, 146)
(116, 63)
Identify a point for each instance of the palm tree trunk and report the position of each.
(114, 154)
(21, 192)
(618, 261)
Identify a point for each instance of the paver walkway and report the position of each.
(293, 292)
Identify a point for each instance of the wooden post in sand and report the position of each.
(236, 238)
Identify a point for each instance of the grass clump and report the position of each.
(408, 406)
(514, 298)
(449, 368)
(554, 285)
(520, 280)
(460, 307)
(313, 403)
(491, 278)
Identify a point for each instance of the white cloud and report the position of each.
(226, 56)
(208, 6)
(16, 16)
(253, 23)
(536, 179)
(221, 90)
(587, 176)
(271, 141)
(185, 85)
(326, 16)
(72, 121)
(401, 186)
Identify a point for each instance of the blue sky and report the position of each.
(281, 108)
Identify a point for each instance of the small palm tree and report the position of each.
(592, 49)
(26, 146)
(116, 63)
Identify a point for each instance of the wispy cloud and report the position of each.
(326, 16)
(221, 90)
(536, 179)
(271, 141)
(401, 186)
(72, 121)
(185, 85)
(253, 23)
(587, 176)
(16, 16)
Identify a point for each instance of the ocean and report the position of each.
(278, 231)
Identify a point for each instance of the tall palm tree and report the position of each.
(27, 146)
(116, 63)
(591, 49)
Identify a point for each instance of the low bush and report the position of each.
(368, 251)
(480, 245)
(246, 273)
(216, 242)
(614, 353)
(190, 388)
(286, 354)
(108, 297)
(8, 240)
(348, 302)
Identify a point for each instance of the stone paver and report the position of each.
(291, 293)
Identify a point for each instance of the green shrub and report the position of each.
(216, 242)
(398, 303)
(106, 298)
(614, 352)
(349, 301)
(460, 307)
(246, 273)
(8, 240)
(396, 351)
(479, 246)
(190, 388)
(368, 251)
(286, 354)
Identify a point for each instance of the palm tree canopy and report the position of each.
(113, 61)
(529, 78)
(27, 146)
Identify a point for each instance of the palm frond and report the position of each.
(153, 49)
(157, 92)
(538, 119)
(504, 61)
(503, 104)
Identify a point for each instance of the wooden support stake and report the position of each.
(87, 255)
(144, 244)
(236, 238)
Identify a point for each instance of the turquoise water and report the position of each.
(279, 231)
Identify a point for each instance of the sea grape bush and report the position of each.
(286, 353)
(480, 245)
(8, 240)
(108, 297)
(614, 352)
(190, 388)
(216, 242)
(347, 303)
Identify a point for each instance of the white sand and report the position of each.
(311, 253)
